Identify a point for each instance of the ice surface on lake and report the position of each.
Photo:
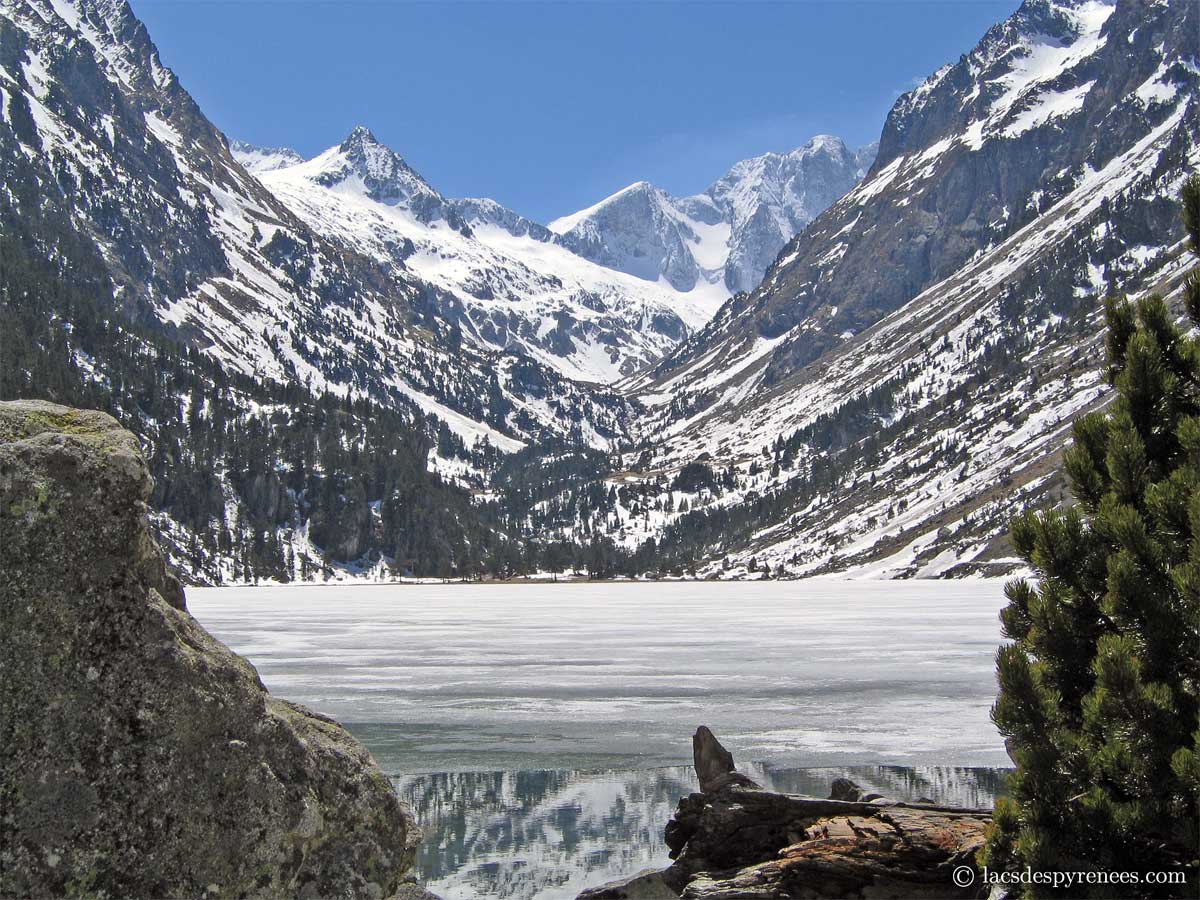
(802, 673)
(538, 730)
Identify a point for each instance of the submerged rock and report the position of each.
(141, 757)
(845, 789)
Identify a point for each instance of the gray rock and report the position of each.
(845, 789)
(648, 884)
(748, 844)
(141, 756)
(714, 764)
(637, 230)
(410, 890)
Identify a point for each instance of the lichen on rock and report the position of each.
(141, 757)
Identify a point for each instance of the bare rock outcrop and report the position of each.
(141, 757)
(751, 844)
(714, 764)
(736, 840)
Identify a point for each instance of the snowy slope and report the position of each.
(906, 373)
(91, 120)
(263, 159)
(727, 235)
(640, 230)
(510, 286)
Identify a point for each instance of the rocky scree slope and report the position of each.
(905, 376)
(142, 758)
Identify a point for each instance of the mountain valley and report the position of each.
(831, 360)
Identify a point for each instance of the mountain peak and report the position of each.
(824, 143)
(617, 199)
(638, 192)
(769, 199)
(731, 232)
(384, 174)
(359, 136)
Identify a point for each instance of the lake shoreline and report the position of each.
(513, 582)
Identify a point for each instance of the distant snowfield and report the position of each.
(489, 677)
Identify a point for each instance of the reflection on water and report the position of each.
(549, 834)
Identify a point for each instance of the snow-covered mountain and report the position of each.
(898, 383)
(640, 230)
(727, 235)
(770, 199)
(263, 159)
(598, 295)
(507, 283)
(94, 127)
(906, 374)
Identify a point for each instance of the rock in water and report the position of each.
(141, 757)
(845, 789)
(714, 764)
(645, 885)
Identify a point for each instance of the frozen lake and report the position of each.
(803, 673)
(540, 730)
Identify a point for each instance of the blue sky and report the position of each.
(548, 107)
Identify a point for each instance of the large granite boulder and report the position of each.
(141, 757)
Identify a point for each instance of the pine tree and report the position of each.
(1099, 687)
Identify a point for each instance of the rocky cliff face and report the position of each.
(638, 230)
(141, 756)
(770, 199)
